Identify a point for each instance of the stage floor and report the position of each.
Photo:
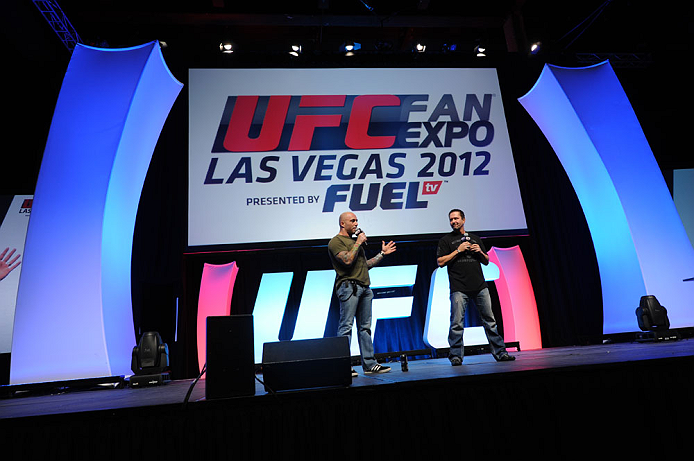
(28, 404)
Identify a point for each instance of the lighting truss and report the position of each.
(56, 18)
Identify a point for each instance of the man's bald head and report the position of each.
(348, 223)
(344, 217)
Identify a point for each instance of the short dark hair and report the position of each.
(456, 210)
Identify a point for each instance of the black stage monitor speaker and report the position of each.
(230, 357)
(307, 363)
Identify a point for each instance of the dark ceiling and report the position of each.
(650, 46)
(381, 26)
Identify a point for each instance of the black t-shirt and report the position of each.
(465, 270)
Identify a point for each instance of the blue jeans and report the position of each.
(459, 303)
(357, 305)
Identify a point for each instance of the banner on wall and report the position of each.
(13, 229)
(276, 155)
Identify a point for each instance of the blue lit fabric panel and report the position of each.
(315, 305)
(74, 311)
(639, 239)
(268, 311)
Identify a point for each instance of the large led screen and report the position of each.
(277, 154)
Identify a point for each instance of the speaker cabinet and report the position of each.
(307, 363)
(230, 357)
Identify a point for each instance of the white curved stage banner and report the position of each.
(74, 312)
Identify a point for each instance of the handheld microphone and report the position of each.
(466, 238)
(358, 231)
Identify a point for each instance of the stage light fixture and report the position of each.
(651, 315)
(226, 47)
(150, 361)
(535, 48)
(653, 321)
(446, 47)
(296, 50)
(350, 47)
(420, 48)
(480, 51)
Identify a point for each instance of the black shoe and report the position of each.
(505, 358)
(354, 373)
(378, 369)
(456, 361)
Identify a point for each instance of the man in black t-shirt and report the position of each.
(463, 254)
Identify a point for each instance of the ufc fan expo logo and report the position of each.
(392, 151)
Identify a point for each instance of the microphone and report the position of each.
(358, 231)
(466, 238)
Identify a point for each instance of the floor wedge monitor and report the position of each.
(306, 363)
